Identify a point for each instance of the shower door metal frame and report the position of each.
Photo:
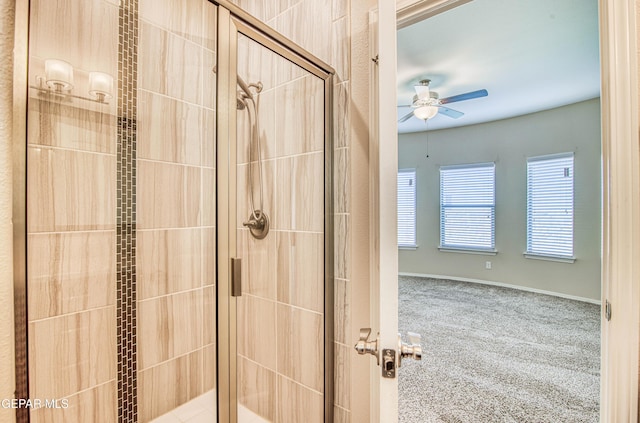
(19, 144)
(233, 21)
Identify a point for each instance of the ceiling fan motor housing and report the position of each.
(431, 101)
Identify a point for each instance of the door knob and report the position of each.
(412, 349)
(364, 346)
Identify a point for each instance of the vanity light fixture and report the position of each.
(58, 75)
(58, 80)
(100, 85)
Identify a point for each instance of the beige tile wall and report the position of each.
(71, 216)
(61, 267)
(71, 197)
(301, 405)
(63, 30)
(176, 204)
(300, 349)
(300, 258)
(93, 405)
(73, 149)
(257, 330)
(62, 195)
(257, 388)
(81, 353)
(158, 391)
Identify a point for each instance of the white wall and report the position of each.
(508, 143)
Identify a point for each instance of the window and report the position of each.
(407, 208)
(550, 206)
(467, 207)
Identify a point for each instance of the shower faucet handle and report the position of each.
(253, 224)
(258, 224)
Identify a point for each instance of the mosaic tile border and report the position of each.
(126, 212)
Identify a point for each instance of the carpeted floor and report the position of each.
(495, 354)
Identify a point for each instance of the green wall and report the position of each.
(508, 143)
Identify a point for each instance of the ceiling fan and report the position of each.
(426, 103)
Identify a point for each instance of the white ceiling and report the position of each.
(530, 55)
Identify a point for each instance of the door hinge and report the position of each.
(376, 59)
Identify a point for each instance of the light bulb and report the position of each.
(425, 112)
(100, 85)
(58, 74)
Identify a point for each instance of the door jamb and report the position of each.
(621, 210)
(383, 171)
(620, 197)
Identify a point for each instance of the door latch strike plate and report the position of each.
(607, 310)
(389, 363)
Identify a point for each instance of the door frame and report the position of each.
(620, 336)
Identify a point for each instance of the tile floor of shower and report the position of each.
(202, 409)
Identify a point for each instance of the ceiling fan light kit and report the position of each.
(425, 112)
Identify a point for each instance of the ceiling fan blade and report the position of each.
(465, 96)
(405, 105)
(405, 117)
(450, 112)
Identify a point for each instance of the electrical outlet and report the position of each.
(487, 265)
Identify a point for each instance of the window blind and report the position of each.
(467, 206)
(407, 208)
(550, 205)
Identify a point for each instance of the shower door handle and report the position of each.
(236, 277)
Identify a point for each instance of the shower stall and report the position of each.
(179, 236)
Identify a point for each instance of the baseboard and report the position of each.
(504, 285)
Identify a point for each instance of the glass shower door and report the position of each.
(280, 334)
(280, 235)
(121, 227)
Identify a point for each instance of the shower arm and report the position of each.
(244, 86)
